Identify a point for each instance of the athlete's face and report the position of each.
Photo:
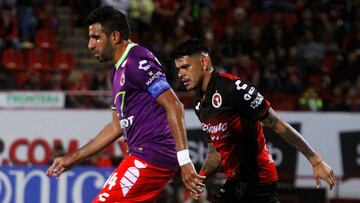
(99, 43)
(191, 71)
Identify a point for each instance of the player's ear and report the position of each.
(115, 37)
(204, 60)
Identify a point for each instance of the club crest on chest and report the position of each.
(122, 79)
(216, 100)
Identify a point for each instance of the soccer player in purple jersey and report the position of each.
(146, 112)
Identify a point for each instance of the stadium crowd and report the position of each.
(302, 54)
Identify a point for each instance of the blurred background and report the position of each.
(303, 55)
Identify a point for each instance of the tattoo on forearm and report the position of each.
(288, 133)
(270, 122)
(296, 140)
(212, 161)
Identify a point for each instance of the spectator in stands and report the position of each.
(271, 80)
(164, 14)
(310, 100)
(27, 22)
(257, 26)
(35, 81)
(9, 31)
(48, 18)
(311, 50)
(120, 5)
(78, 80)
(57, 82)
(242, 25)
(338, 101)
(140, 14)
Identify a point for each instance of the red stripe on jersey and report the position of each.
(227, 75)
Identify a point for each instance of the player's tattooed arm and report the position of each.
(212, 161)
(320, 169)
(289, 134)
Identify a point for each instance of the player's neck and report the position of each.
(120, 49)
(206, 81)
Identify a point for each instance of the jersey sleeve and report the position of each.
(248, 101)
(149, 74)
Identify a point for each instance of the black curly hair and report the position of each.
(188, 48)
(111, 20)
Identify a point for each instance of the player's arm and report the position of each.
(175, 115)
(293, 137)
(212, 161)
(104, 138)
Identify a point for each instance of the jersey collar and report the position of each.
(124, 55)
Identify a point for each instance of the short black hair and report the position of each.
(188, 48)
(111, 20)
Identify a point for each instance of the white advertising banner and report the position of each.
(28, 99)
(28, 137)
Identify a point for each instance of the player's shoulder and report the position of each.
(226, 80)
(139, 52)
(227, 77)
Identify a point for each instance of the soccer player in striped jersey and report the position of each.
(232, 112)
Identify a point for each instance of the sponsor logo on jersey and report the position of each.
(154, 77)
(144, 65)
(257, 101)
(216, 100)
(219, 137)
(126, 122)
(221, 127)
(242, 87)
(122, 79)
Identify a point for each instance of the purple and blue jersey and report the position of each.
(138, 79)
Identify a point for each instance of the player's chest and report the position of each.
(121, 81)
(215, 105)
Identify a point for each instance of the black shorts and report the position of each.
(240, 191)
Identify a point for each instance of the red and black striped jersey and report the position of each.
(230, 112)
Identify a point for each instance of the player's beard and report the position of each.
(198, 83)
(107, 53)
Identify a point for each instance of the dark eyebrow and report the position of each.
(94, 35)
(184, 66)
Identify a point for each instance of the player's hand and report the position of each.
(192, 180)
(60, 164)
(324, 172)
(196, 196)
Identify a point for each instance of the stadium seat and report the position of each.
(45, 39)
(13, 59)
(63, 61)
(38, 59)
